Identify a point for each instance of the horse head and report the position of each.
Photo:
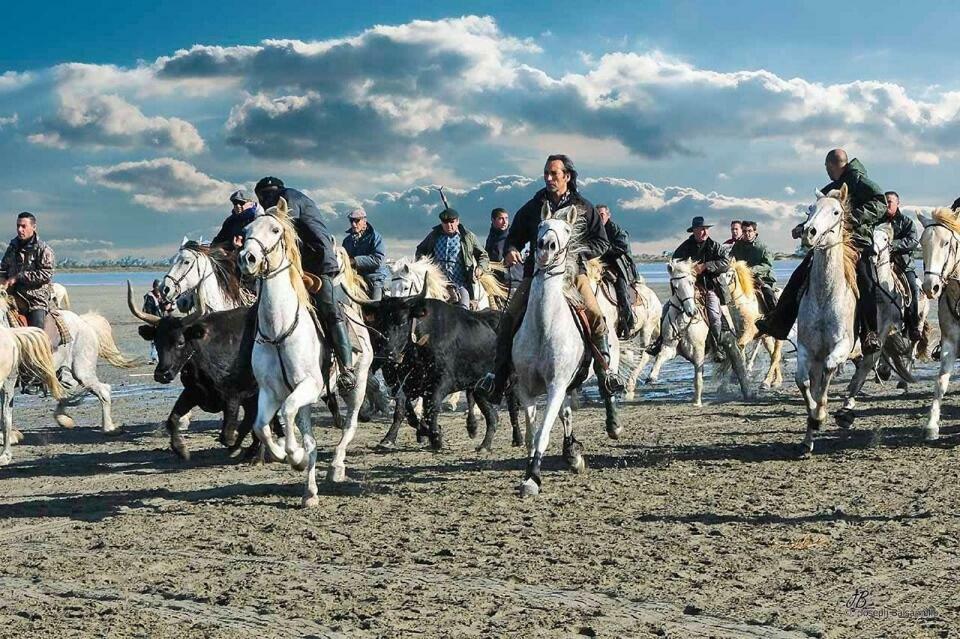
(882, 241)
(190, 267)
(683, 284)
(939, 243)
(827, 219)
(554, 235)
(263, 244)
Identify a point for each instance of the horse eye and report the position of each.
(276, 231)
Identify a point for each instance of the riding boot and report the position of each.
(778, 322)
(867, 305)
(344, 354)
(626, 323)
(728, 342)
(654, 349)
(716, 343)
(768, 297)
(494, 384)
(609, 382)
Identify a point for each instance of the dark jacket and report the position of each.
(31, 263)
(319, 257)
(905, 240)
(368, 253)
(523, 229)
(496, 241)
(757, 257)
(710, 254)
(470, 251)
(234, 225)
(618, 256)
(867, 200)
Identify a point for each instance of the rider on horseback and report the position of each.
(315, 237)
(754, 253)
(27, 269)
(560, 177)
(905, 240)
(618, 261)
(868, 205)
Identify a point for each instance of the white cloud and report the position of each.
(9, 120)
(789, 190)
(71, 242)
(163, 184)
(12, 80)
(925, 158)
(723, 177)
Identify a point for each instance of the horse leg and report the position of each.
(948, 355)
(513, 409)
(845, 416)
(337, 470)
(88, 378)
(667, 352)
(6, 408)
(802, 378)
(541, 440)
(472, 422)
(698, 383)
(635, 375)
(304, 394)
(490, 416)
(267, 405)
(311, 498)
(572, 448)
(614, 429)
(815, 412)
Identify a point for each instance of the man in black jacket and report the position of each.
(231, 231)
(318, 258)
(618, 261)
(560, 177)
(905, 240)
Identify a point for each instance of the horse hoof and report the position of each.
(181, 451)
(5, 459)
(311, 502)
(931, 434)
(16, 437)
(65, 421)
(615, 432)
(485, 447)
(529, 488)
(386, 445)
(336, 474)
(844, 418)
(697, 404)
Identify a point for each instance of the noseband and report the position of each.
(551, 268)
(265, 272)
(176, 281)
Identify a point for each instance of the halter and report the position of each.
(176, 282)
(951, 253)
(817, 247)
(676, 326)
(559, 260)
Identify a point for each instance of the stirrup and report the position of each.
(486, 388)
(870, 343)
(347, 380)
(612, 384)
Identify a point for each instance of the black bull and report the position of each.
(430, 349)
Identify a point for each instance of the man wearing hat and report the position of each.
(711, 261)
(319, 258)
(367, 252)
(231, 231)
(457, 252)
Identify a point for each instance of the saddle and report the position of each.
(590, 353)
(53, 325)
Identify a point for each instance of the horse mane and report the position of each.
(850, 253)
(437, 283)
(291, 243)
(744, 277)
(493, 287)
(225, 269)
(685, 267)
(947, 217)
(351, 280)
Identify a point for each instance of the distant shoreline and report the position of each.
(112, 268)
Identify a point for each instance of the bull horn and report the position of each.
(361, 303)
(153, 320)
(192, 317)
(426, 285)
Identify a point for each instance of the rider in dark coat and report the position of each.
(754, 253)
(868, 205)
(318, 258)
(367, 252)
(244, 211)
(618, 261)
(27, 269)
(905, 240)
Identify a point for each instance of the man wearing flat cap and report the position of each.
(231, 231)
(318, 257)
(367, 252)
(710, 261)
(457, 252)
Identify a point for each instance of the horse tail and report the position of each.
(107, 347)
(36, 358)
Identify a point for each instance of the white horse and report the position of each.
(60, 296)
(288, 352)
(940, 243)
(207, 275)
(744, 311)
(549, 352)
(22, 349)
(407, 278)
(76, 361)
(826, 330)
(646, 315)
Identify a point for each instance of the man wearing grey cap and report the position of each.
(231, 231)
(457, 252)
(367, 253)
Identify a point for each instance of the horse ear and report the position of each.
(843, 192)
(670, 267)
(545, 213)
(569, 214)
(282, 206)
(184, 241)
(924, 220)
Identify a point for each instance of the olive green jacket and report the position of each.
(757, 257)
(867, 201)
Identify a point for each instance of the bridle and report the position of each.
(676, 326)
(265, 271)
(557, 265)
(816, 245)
(951, 256)
(177, 281)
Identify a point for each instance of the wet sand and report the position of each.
(698, 522)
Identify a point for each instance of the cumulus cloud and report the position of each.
(163, 184)
(12, 80)
(110, 121)
(789, 190)
(9, 120)
(77, 242)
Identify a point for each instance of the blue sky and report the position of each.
(122, 145)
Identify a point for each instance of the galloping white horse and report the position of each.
(407, 278)
(745, 310)
(288, 352)
(826, 330)
(548, 349)
(646, 315)
(940, 243)
(76, 361)
(29, 349)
